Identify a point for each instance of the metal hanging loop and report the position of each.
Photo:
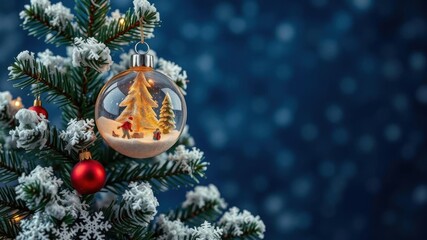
(143, 52)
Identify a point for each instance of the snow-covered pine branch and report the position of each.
(91, 53)
(175, 72)
(186, 158)
(41, 18)
(54, 62)
(202, 204)
(121, 31)
(140, 198)
(28, 70)
(32, 131)
(79, 134)
(167, 229)
(238, 224)
(36, 227)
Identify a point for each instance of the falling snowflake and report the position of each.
(92, 227)
(64, 233)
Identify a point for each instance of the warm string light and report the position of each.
(122, 21)
(17, 103)
(17, 218)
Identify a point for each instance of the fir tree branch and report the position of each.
(60, 88)
(37, 22)
(11, 166)
(195, 215)
(126, 225)
(161, 176)
(121, 32)
(91, 17)
(250, 231)
(10, 206)
(9, 229)
(54, 150)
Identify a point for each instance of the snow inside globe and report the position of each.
(140, 112)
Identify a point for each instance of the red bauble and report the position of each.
(39, 110)
(88, 176)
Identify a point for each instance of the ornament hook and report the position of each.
(141, 24)
(143, 52)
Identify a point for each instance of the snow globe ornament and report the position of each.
(140, 112)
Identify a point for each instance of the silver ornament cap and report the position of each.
(142, 60)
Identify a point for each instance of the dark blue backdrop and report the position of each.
(313, 113)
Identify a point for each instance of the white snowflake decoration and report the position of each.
(186, 157)
(37, 227)
(32, 131)
(60, 15)
(64, 232)
(79, 134)
(44, 177)
(140, 197)
(207, 232)
(92, 227)
(87, 51)
(175, 72)
(234, 221)
(202, 195)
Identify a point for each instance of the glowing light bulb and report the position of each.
(122, 21)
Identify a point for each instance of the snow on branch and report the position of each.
(91, 53)
(172, 229)
(59, 15)
(32, 131)
(79, 134)
(41, 18)
(207, 232)
(140, 198)
(238, 224)
(186, 158)
(175, 72)
(38, 187)
(144, 8)
(202, 195)
(53, 62)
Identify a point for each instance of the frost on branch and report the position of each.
(186, 157)
(59, 15)
(207, 232)
(37, 227)
(42, 4)
(202, 195)
(32, 131)
(38, 186)
(175, 72)
(236, 224)
(23, 57)
(42, 187)
(92, 227)
(52, 62)
(140, 197)
(91, 53)
(172, 230)
(79, 134)
(8, 105)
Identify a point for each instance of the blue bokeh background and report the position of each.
(312, 113)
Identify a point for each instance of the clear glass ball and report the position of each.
(140, 112)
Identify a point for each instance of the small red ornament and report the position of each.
(88, 176)
(38, 108)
